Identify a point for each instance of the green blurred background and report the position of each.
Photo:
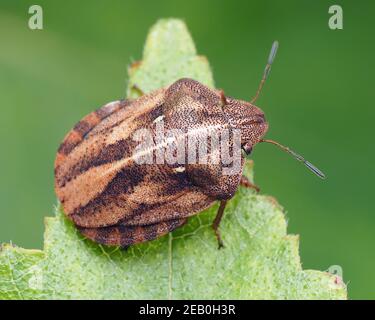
(319, 100)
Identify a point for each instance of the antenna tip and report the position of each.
(272, 55)
(315, 170)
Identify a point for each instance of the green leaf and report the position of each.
(259, 261)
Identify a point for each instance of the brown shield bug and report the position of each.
(115, 199)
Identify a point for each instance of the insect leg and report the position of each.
(138, 90)
(216, 223)
(120, 235)
(245, 182)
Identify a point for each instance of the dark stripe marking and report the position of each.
(128, 235)
(120, 149)
(151, 232)
(123, 183)
(66, 147)
(83, 127)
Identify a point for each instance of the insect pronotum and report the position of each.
(115, 197)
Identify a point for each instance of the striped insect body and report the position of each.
(123, 183)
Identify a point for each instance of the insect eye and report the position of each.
(247, 148)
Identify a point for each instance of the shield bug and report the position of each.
(117, 193)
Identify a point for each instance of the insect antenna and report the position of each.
(298, 157)
(267, 70)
